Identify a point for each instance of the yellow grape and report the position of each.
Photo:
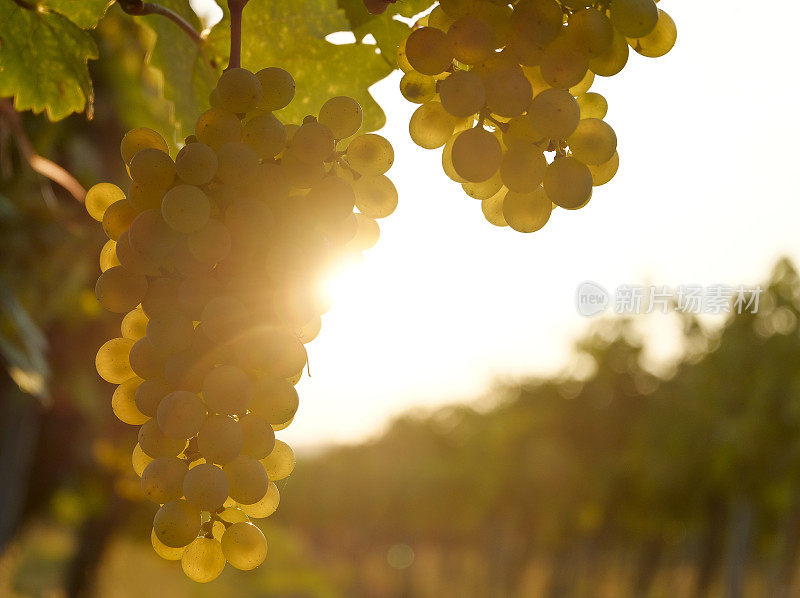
(211, 244)
(279, 464)
(205, 487)
(462, 93)
(527, 212)
(484, 189)
(603, 173)
(370, 154)
(508, 92)
(196, 164)
(367, 234)
(259, 437)
(237, 163)
(634, 18)
(123, 403)
(180, 414)
(244, 546)
(203, 560)
(431, 125)
(145, 197)
(164, 551)
(568, 183)
(375, 196)
(593, 142)
(402, 59)
(140, 460)
(584, 86)
(660, 40)
(139, 139)
(134, 324)
(117, 219)
(300, 172)
(264, 507)
(248, 479)
(277, 88)
(522, 169)
(427, 51)
(227, 389)
(554, 113)
(152, 167)
(216, 127)
(493, 208)
(176, 523)
(149, 394)
(447, 162)
(591, 31)
(156, 444)
(151, 236)
(265, 134)
(332, 199)
(476, 154)
(112, 360)
(592, 105)
(274, 399)
(238, 90)
(220, 439)
(108, 255)
(520, 131)
(146, 362)
(470, 39)
(118, 290)
(162, 297)
(170, 333)
(162, 479)
(342, 115)
(100, 197)
(614, 60)
(562, 65)
(417, 88)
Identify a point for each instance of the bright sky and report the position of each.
(707, 193)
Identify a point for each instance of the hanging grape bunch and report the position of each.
(215, 259)
(505, 90)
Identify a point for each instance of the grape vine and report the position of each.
(504, 89)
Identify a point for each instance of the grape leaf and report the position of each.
(188, 71)
(291, 34)
(387, 31)
(84, 13)
(43, 61)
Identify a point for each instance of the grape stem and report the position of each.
(236, 7)
(139, 8)
(11, 119)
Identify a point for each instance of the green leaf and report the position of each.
(387, 31)
(84, 13)
(43, 61)
(291, 34)
(189, 72)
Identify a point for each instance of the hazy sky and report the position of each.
(707, 193)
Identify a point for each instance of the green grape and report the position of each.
(180, 414)
(244, 546)
(568, 183)
(264, 507)
(145, 361)
(417, 88)
(342, 115)
(233, 515)
(162, 297)
(140, 460)
(206, 487)
(259, 437)
(375, 196)
(476, 154)
(520, 131)
(196, 164)
(216, 127)
(170, 333)
(203, 560)
(554, 113)
(634, 18)
(471, 40)
(603, 173)
(248, 480)
(591, 31)
(145, 197)
(139, 139)
(462, 93)
(155, 444)
(134, 324)
(584, 86)
(117, 219)
(522, 169)
(223, 318)
(247, 222)
(227, 389)
(123, 403)
(539, 21)
(367, 234)
(211, 244)
(527, 212)
(508, 92)
(152, 167)
(613, 61)
(277, 88)
(439, 19)
(151, 237)
(237, 163)
(299, 172)
(100, 197)
(313, 142)
(186, 208)
(164, 551)
(279, 464)
(108, 255)
(370, 154)
(457, 8)
(176, 523)
(238, 90)
(493, 209)
(265, 134)
(484, 189)
(660, 40)
(162, 479)
(220, 439)
(332, 199)
(431, 125)
(149, 394)
(593, 142)
(113, 362)
(562, 65)
(592, 105)
(428, 51)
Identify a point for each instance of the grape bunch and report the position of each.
(504, 88)
(216, 260)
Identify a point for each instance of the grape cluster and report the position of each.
(504, 88)
(216, 259)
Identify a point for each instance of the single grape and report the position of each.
(342, 115)
(185, 208)
(220, 439)
(248, 479)
(176, 523)
(146, 361)
(203, 560)
(237, 163)
(155, 444)
(554, 113)
(431, 125)
(370, 154)
(562, 65)
(238, 90)
(462, 93)
(162, 479)
(428, 51)
(206, 487)
(375, 196)
(508, 92)
(100, 197)
(592, 105)
(476, 154)
(244, 546)
(118, 290)
(259, 437)
(149, 394)
(139, 139)
(417, 88)
(117, 219)
(264, 507)
(123, 403)
(634, 18)
(277, 88)
(527, 212)
(227, 389)
(196, 164)
(614, 60)
(164, 551)
(134, 324)
(522, 169)
(313, 142)
(492, 209)
(274, 399)
(593, 142)
(180, 414)
(471, 39)
(568, 183)
(216, 127)
(660, 40)
(113, 362)
(279, 464)
(603, 173)
(591, 31)
(152, 167)
(265, 134)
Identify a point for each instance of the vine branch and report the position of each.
(47, 168)
(139, 8)
(25, 4)
(236, 7)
